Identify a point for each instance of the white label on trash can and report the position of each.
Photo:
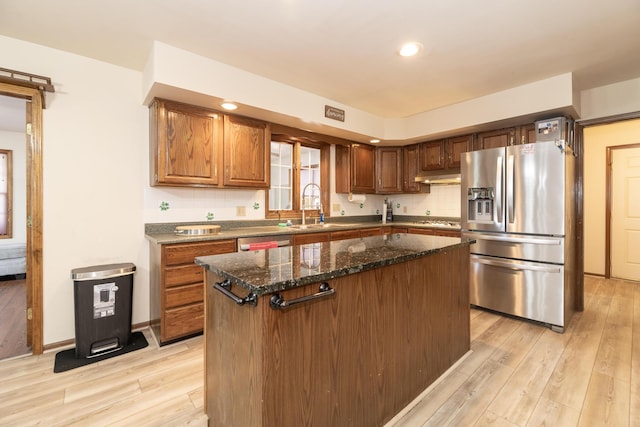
(104, 300)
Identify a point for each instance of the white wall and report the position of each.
(95, 150)
(596, 141)
(17, 142)
(617, 98)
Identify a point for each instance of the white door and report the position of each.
(625, 213)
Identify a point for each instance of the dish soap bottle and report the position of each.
(321, 215)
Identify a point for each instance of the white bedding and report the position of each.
(13, 259)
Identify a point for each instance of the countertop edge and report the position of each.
(171, 238)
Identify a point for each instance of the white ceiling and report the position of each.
(346, 50)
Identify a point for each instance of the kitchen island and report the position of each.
(343, 333)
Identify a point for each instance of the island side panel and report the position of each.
(233, 359)
(359, 357)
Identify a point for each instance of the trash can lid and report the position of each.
(102, 271)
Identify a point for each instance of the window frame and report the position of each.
(9, 207)
(296, 212)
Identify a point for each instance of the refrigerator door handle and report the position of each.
(499, 215)
(510, 192)
(520, 240)
(517, 267)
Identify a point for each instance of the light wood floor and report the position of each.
(13, 319)
(518, 374)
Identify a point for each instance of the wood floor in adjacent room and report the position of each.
(13, 318)
(518, 374)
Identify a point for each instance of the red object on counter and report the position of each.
(263, 245)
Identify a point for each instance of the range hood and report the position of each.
(438, 179)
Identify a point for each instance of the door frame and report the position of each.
(34, 210)
(609, 204)
(579, 134)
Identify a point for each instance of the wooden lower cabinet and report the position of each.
(399, 229)
(345, 234)
(377, 231)
(356, 358)
(305, 239)
(177, 291)
(434, 232)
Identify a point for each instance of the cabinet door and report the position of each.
(495, 138)
(432, 155)
(455, 147)
(363, 171)
(410, 167)
(526, 134)
(343, 169)
(389, 167)
(246, 152)
(185, 144)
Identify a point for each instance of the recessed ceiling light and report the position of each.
(229, 106)
(410, 49)
(374, 141)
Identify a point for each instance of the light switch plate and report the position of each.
(241, 211)
(335, 207)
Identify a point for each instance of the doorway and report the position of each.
(33, 219)
(623, 176)
(13, 295)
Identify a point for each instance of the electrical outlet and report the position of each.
(241, 211)
(404, 209)
(336, 207)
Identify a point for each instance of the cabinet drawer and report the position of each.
(399, 230)
(184, 295)
(367, 232)
(305, 239)
(427, 231)
(184, 253)
(183, 275)
(183, 321)
(347, 234)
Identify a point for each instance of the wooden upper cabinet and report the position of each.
(389, 167)
(445, 154)
(526, 134)
(185, 144)
(343, 169)
(246, 152)
(355, 169)
(363, 168)
(410, 168)
(455, 147)
(495, 138)
(432, 155)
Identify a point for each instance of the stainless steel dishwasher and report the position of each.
(263, 242)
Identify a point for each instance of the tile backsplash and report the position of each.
(167, 204)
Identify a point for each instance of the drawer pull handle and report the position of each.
(225, 288)
(279, 303)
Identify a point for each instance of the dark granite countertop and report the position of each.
(271, 270)
(165, 235)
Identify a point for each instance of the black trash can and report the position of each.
(102, 296)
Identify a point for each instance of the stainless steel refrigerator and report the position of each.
(517, 203)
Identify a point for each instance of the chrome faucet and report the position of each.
(303, 200)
